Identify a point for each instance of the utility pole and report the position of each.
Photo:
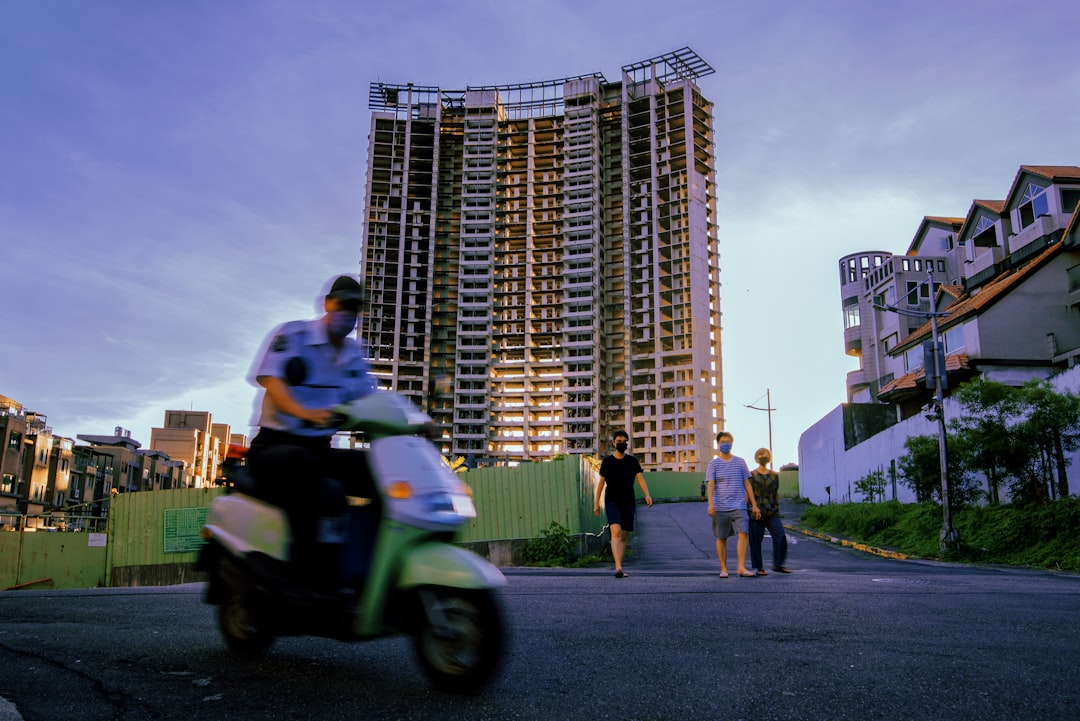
(950, 537)
(768, 411)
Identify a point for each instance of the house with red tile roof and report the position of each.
(1004, 281)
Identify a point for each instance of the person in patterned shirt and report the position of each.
(766, 487)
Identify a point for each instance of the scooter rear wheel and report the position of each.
(243, 632)
(461, 651)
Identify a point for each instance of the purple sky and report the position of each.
(177, 178)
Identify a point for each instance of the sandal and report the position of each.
(723, 574)
(761, 572)
(620, 574)
(745, 575)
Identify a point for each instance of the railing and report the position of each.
(53, 523)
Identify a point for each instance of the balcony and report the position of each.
(981, 267)
(1043, 226)
(853, 340)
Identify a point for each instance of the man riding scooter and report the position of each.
(307, 368)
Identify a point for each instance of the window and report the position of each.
(14, 441)
(953, 339)
(912, 293)
(913, 359)
(1033, 204)
(1070, 198)
(7, 485)
(984, 235)
(851, 317)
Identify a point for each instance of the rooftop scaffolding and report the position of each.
(532, 99)
(682, 64)
(519, 100)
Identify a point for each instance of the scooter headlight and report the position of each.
(449, 507)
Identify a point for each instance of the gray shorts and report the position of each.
(728, 523)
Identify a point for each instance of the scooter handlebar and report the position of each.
(385, 413)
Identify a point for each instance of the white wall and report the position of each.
(823, 462)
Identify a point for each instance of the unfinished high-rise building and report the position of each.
(542, 263)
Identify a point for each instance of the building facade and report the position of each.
(1005, 279)
(542, 263)
(193, 437)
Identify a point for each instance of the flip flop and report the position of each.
(620, 574)
(724, 575)
(761, 572)
(746, 575)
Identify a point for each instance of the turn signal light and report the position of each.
(400, 491)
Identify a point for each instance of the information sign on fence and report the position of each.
(182, 526)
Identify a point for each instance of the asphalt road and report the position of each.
(846, 636)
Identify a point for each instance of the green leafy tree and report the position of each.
(920, 470)
(984, 432)
(872, 486)
(1050, 429)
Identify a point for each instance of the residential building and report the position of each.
(192, 437)
(123, 468)
(58, 485)
(1005, 280)
(25, 459)
(13, 485)
(542, 264)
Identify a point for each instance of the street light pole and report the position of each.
(768, 411)
(950, 539)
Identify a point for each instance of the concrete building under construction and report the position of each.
(542, 263)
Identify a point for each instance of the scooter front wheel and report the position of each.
(459, 637)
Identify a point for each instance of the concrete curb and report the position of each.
(883, 552)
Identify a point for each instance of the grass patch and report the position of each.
(1043, 536)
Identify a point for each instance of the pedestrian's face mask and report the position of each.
(621, 446)
(725, 447)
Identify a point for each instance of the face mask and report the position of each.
(763, 461)
(725, 447)
(342, 322)
(621, 446)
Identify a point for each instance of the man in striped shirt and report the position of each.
(729, 491)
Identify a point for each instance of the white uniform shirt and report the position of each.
(317, 374)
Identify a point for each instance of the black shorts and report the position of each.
(621, 514)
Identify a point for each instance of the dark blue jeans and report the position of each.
(779, 541)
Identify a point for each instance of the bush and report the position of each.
(554, 548)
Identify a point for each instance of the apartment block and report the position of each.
(1004, 280)
(193, 437)
(542, 263)
(1001, 277)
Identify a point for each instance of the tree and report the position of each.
(984, 433)
(1051, 427)
(872, 486)
(920, 470)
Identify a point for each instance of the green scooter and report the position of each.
(400, 570)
